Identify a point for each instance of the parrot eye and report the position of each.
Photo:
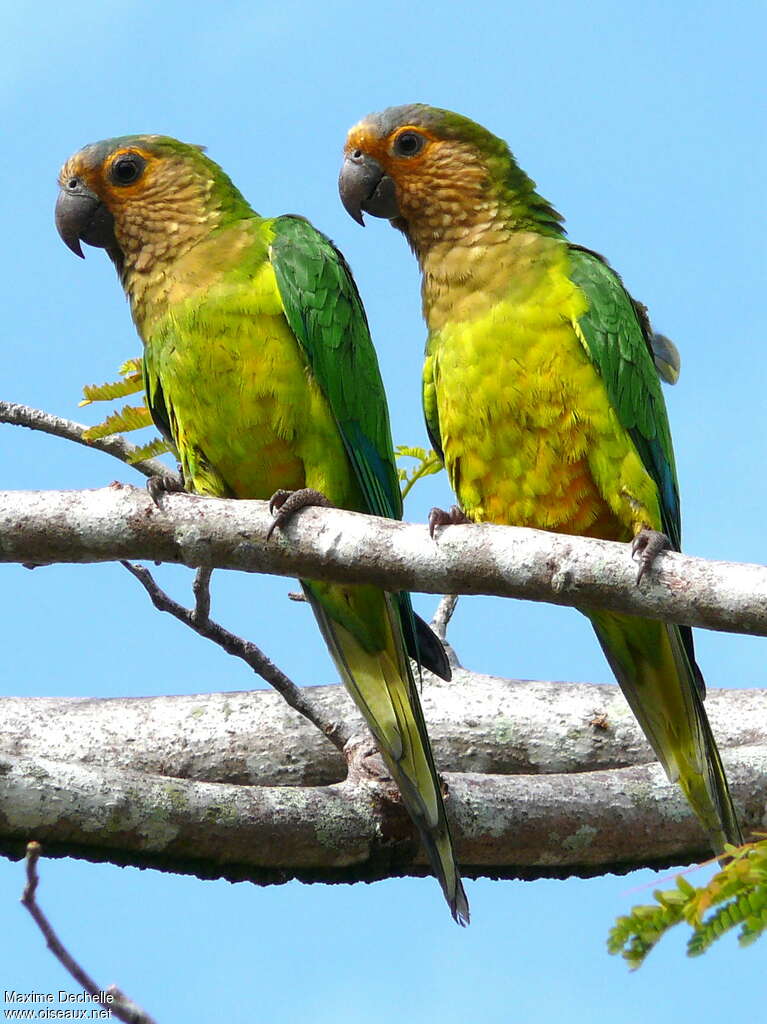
(127, 168)
(408, 144)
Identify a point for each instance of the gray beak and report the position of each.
(363, 185)
(81, 216)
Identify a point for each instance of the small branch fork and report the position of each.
(199, 620)
(116, 445)
(111, 998)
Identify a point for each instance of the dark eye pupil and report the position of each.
(125, 171)
(409, 143)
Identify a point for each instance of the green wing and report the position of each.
(619, 340)
(325, 312)
(430, 408)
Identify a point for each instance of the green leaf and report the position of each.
(738, 892)
(130, 417)
(132, 382)
(428, 463)
(148, 451)
(131, 366)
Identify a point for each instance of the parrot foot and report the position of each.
(438, 517)
(284, 504)
(159, 486)
(646, 547)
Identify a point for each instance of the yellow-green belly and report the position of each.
(528, 432)
(248, 417)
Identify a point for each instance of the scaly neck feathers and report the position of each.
(473, 220)
(183, 209)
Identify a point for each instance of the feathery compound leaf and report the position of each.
(148, 451)
(132, 381)
(428, 463)
(634, 935)
(131, 366)
(738, 891)
(402, 450)
(130, 417)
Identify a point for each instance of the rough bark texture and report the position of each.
(477, 723)
(505, 826)
(39, 527)
(543, 779)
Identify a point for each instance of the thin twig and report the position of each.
(441, 621)
(201, 591)
(115, 444)
(122, 1008)
(336, 732)
(443, 615)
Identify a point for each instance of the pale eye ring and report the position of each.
(408, 143)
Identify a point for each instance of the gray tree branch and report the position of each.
(122, 522)
(504, 825)
(35, 419)
(198, 619)
(477, 723)
(543, 779)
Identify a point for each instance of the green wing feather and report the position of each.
(619, 340)
(430, 407)
(655, 665)
(325, 312)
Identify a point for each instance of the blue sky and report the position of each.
(644, 126)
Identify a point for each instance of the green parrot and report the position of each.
(259, 367)
(541, 394)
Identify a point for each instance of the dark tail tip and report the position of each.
(459, 906)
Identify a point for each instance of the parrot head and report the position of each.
(140, 197)
(432, 172)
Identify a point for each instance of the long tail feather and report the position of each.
(652, 665)
(382, 685)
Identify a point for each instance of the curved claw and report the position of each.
(278, 499)
(284, 504)
(159, 486)
(646, 547)
(438, 517)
